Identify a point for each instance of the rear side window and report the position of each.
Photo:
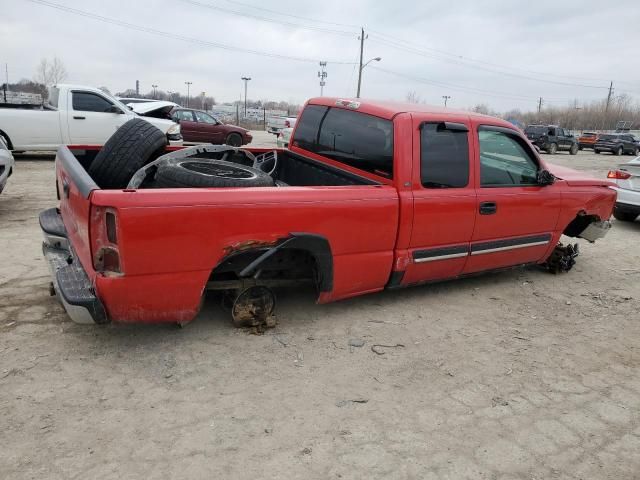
(90, 102)
(357, 139)
(444, 156)
(183, 115)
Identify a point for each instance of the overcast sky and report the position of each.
(503, 53)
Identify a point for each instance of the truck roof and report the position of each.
(389, 109)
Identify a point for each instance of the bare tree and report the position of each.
(50, 72)
(412, 97)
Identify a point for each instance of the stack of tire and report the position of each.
(137, 143)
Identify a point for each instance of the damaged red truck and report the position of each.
(371, 195)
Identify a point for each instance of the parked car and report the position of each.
(617, 144)
(277, 123)
(425, 194)
(201, 127)
(7, 164)
(552, 138)
(587, 140)
(627, 178)
(282, 141)
(75, 114)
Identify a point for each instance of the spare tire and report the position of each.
(197, 172)
(134, 144)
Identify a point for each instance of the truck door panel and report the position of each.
(90, 119)
(515, 216)
(444, 199)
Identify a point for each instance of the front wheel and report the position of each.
(635, 152)
(573, 150)
(234, 140)
(596, 151)
(552, 149)
(618, 152)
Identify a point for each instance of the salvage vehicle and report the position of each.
(199, 126)
(7, 164)
(277, 123)
(627, 178)
(617, 144)
(369, 196)
(74, 114)
(587, 140)
(552, 138)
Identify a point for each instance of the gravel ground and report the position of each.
(517, 375)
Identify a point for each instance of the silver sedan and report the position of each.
(627, 177)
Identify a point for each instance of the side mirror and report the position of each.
(545, 177)
(114, 109)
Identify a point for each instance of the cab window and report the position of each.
(90, 102)
(357, 139)
(444, 156)
(505, 160)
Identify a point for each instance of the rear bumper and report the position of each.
(72, 285)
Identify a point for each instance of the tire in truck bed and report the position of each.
(131, 147)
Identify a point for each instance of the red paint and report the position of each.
(170, 240)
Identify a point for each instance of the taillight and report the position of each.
(618, 175)
(104, 240)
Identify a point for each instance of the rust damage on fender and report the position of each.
(248, 245)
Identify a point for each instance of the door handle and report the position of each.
(78, 118)
(488, 208)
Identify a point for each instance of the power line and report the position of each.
(478, 67)
(183, 38)
(453, 86)
(265, 19)
(255, 7)
(455, 56)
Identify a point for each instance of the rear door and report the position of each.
(444, 198)
(207, 128)
(188, 125)
(92, 118)
(515, 216)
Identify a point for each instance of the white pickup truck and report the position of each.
(276, 123)
(75, 114)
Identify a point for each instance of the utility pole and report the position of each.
(609, 96)
(188, 84)
(362, 38)
(202, 100)
(246, 80)
(6, 85)
(539, 104)
(322, 74)
(154, 91)
(446, 98)
(137, 88)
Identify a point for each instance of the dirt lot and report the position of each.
(514, 375)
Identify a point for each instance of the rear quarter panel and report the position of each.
(170, 240)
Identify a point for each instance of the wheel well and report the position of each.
(285, 264)
(6, 137)
(300, 255)
(579, 223)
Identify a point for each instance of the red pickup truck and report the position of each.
(370, 195)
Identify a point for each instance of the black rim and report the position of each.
(217, 170)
